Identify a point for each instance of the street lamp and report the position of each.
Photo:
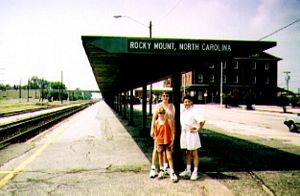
(150, 23)
(150, 35)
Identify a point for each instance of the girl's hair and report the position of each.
(187, 97)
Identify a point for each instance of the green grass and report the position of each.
(221, 152)
(15, 106)
(141, 137)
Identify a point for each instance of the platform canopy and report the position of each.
(124, 63)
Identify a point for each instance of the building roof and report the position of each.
(124, 63)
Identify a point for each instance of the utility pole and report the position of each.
(28, 90)
(61, 87)
(287, 78)
(221, 84)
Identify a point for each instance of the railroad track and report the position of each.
(26, 128)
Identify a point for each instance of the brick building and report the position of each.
(241, 75)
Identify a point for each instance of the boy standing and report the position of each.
(163, 134)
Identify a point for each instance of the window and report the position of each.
(267, 66)
(189, 77)
(267, 81)
(211, 78)
(200, 78)
(224, 65)
(236, 79)
(254, 80)
(200, 95)
(224, 79)
(235, 65)
(254, 65)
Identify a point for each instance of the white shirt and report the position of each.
(190, 117)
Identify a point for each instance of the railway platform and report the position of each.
(89, 153)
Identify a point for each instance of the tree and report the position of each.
(4, 87)
(283, 101)
(249, 99)
(35, 82)
(58, 91)
(227, 99)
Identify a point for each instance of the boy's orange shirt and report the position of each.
(162, 133)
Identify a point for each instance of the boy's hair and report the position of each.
(161, 110)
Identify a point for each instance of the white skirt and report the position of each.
(189, 140)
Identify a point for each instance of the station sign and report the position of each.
(136, 45)
(178, 46)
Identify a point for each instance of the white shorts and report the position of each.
(189, 140)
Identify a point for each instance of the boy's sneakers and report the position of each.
(174, 177)
(185, 174)
(194, 176)
(166, 171)
(153, 173)
(161, 174)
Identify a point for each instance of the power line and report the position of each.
(298, 20)
(171, 10)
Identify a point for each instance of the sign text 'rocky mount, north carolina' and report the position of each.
(177, 46)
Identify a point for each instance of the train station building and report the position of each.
(205, 69)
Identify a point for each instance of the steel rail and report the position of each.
(26, 128)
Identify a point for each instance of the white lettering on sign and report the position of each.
(189, 46)
(216, 47)
(164, 46)
(139, 45)
(180, 46)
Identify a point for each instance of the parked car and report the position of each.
(293, 122)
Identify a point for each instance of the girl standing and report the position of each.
(191, 123)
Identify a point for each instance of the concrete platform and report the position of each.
(91, 153)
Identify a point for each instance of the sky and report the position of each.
(43, 38)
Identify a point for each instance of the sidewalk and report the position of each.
(260, 108)
(277, 109)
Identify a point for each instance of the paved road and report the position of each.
(266, 123)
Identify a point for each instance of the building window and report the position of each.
(211, 66)
(200, 95)
(224, 79)
(224, 65)
(211, 78)
(267, 81)
(235, 65)
(254, 65)
(236, 79)
(254, 80)
(267, 66)
(188, 78)
(200, 78)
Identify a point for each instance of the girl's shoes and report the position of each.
(174, 177)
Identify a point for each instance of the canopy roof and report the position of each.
(123, 63)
